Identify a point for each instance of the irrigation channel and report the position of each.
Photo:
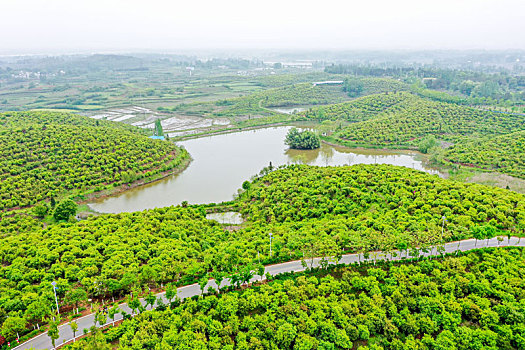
(43, 341)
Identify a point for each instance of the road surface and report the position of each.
(42, 341)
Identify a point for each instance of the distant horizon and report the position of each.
(232, 51)
(64, 26)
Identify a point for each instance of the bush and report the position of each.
(64, 210)
(41, 210)
(427, 144)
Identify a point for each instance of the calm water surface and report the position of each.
(229, 217)
(221, 163)
(289, 110)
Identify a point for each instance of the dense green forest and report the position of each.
(473, 301)
(52, 155)
(484, 139)
(356, 87)
(377, 205)
(401, 118)
(312, 211)
(418, 117)
(504, 153)
(470, 86)
(362, 108)
(104, 256)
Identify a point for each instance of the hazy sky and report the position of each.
(41, 26)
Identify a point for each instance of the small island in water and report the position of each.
(305, 139)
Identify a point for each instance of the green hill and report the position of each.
(483, 139)
(326, 211)
(504, 154)
(474, 301)
(391, 204)
(286, 96)
(419, 118)
(50, 154)
(403, 119)
(362, 108)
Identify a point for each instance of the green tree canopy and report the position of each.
(64, 210)
(305, 139)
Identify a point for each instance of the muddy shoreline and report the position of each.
(123, 188)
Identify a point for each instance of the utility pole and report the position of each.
(54, 284)
(271, 237)
(444, 218)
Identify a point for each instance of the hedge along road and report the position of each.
(42, 341)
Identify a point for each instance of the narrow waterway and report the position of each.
(221, 163)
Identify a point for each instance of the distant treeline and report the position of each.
(501, 85)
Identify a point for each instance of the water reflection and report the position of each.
(222, 162)
(289, 110)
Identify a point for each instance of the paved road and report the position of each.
(44, 342)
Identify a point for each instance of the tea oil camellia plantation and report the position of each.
(341, 176)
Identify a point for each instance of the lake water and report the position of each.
(221, 163)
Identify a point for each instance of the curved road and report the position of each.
(42, 341)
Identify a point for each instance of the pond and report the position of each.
(229, 217)
(289, 110)
(222, 162)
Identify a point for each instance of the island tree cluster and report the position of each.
(305, 139)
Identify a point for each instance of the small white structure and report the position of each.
(328, 82)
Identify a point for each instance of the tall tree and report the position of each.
(74, 328)
(76, 296)
(52, 331)
(171, 291)
(112, 312)
(12, 326)
(158, 128)
(38, 311)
